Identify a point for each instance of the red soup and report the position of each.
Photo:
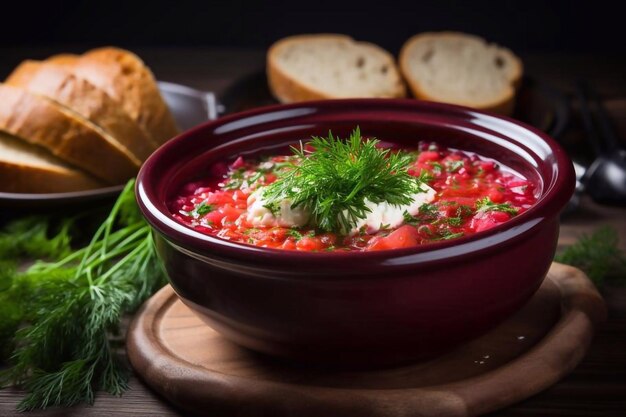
(461, 194)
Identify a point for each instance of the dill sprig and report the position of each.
(334, 180)
(60, 316)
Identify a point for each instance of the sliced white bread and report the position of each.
(326, 66)
(461, 69)
(26, 168)
(124, 77)
(58, 83)
(72, 138)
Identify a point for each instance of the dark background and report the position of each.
(568, 26)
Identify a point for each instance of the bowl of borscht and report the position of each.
(357, 232)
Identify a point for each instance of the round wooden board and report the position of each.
(195, 368)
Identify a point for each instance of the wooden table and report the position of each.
(596, 388)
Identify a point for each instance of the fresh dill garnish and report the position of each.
(598, 255)
(200, 210)
(294, 234)
(335, 179)
(58, 316)
(485, 204)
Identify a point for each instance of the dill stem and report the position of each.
(114, 238)
(140, 247)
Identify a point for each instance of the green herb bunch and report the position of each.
(334, 180)
(62, 317)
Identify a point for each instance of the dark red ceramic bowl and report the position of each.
(366, 307)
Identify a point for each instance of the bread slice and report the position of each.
(23, 73)
(124, 77)
(55, 81)
(325, 66)
(461, 69)
(26, 168)
(41, 121)
(66, 60)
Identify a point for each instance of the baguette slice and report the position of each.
(311, 67)
(56, 82)
(41, 121)
(26, 168)
(461, 69)
(124, 77)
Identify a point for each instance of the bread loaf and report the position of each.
(461, 69)
(309, 67)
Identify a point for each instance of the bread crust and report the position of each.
(18, 178)
(61, 85)
(502, 105)
(124, 77)
(66, 60)
(43, 122)
(286, 89)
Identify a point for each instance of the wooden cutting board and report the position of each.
(196, 369)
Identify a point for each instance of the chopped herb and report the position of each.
(295, 234)
(437, 167)
(454, 221)
(454, 166)
(273, 206)
(452, 235)
(200, 210)
(240, 177)
(409, 219)
(255, 177)
(428, 210)
(425, 229)
(464, 211)
(486, 204)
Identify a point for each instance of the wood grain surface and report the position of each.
(191, 365)
(597, 387)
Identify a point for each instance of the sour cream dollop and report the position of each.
(380, 214)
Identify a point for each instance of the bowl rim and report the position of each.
(553, 198)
